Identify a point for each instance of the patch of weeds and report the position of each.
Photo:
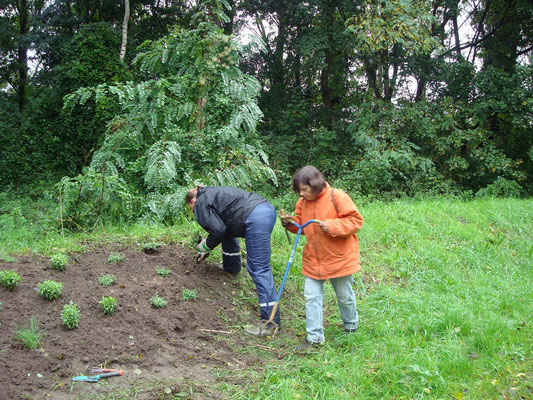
(7, 258)
(50, 290)
(188, 294)
(150, 248)
(108, 304)
(30, 337)
(59, 262)
(115, 258)
(162, 271)
(157, 301)
(107, 279)
(9, 279)
(71, 315)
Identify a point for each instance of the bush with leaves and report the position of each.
(107, 279)
(9, 279)
(501, 187)
(158, 301)
(162, 271)
(115, 257)
(71, 315)
(59, 261)
(188, 294)
(50, 290)
(193, 117)
(108, 304)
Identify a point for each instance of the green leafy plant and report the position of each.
(7, 258)
(30, 337)
(158, 301)
(162, 271)
(108, 304)
(188, 294)
(107, 279)
(150, 247)
(9, 279)
(50, 290)
(59, 261)
(71, 315)
(208, 130)
(115, 257)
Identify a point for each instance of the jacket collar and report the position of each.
(323, 192)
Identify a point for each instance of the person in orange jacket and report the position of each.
(331, 252)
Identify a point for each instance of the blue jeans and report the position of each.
(314, 299)
(258, 229)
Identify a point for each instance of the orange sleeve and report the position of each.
(348, 220)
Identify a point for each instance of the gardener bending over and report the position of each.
(331, 252)
(228, 213)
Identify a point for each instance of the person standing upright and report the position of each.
(331, 252)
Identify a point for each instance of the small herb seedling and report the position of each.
(115, 258)
(162, 272)
(59, 261)
(157, 301)
(9, 279)
(108, 304)
(188, 294)
(107, 280)
(50, 290)
(71, 315)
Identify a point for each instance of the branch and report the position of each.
(524, 51)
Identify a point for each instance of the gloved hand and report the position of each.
(203, 250)
(202, 246)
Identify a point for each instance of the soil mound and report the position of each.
(181, 339)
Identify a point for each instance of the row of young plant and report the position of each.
(51, 290)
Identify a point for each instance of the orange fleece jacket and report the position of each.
(336, 253)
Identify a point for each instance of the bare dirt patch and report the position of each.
(179, 340)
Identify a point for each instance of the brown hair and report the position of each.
(191, 194)
(310, 176)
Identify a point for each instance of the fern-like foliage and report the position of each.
(191, 118)
(162, 158)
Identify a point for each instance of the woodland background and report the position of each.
(114, 108)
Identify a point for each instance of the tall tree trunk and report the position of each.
(22, 56)
(456, 38)
(228, 26)
(324, 82)
(125, 29)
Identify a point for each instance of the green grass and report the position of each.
(445, 301)
(444, 298)
(29, 337)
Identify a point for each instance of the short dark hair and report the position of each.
(191, 194)
(310, 176)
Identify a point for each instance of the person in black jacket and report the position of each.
(227, 213)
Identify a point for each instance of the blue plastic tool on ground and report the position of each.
(96, 378)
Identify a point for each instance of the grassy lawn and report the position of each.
(444, 297)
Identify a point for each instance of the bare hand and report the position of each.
(324, 226)
(286, 220)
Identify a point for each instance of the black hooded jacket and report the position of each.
(222, 210)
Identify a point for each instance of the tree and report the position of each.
(16, 23)
(125, 29)
(192, 117)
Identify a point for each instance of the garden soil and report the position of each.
(182, 342)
